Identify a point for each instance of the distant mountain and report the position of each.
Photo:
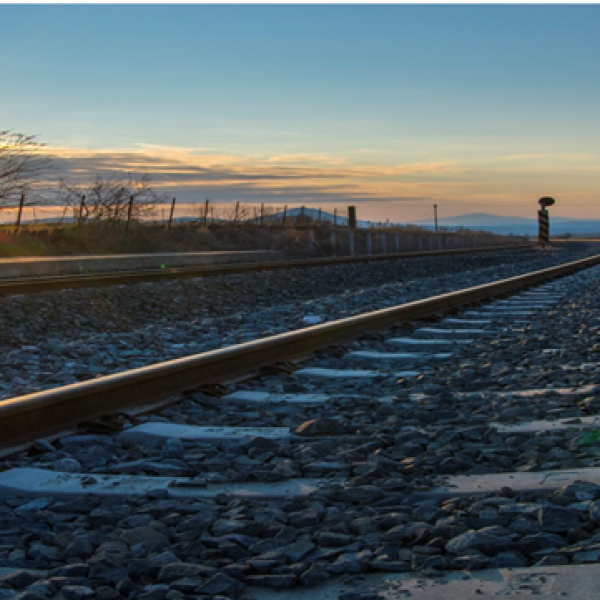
(478, 220)
(516, 225)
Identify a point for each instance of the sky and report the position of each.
(392, 108)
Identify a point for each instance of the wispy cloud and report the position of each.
(297, 177)
(192, 174)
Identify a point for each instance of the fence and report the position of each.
(299, 230)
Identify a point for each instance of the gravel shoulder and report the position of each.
(56, 338)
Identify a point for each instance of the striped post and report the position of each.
(544, 227)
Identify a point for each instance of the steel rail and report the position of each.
(25, 418)
(30, 285)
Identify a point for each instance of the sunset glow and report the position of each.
(393, 108)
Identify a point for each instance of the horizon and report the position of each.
(392, 108)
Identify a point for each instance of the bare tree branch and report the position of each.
(108, 199)
(21, 164)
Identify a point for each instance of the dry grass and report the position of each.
(40, 240)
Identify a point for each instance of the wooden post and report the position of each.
(283, 218)
(319, 215)
(335, 217)
(129, 209)
(352, 217)
(171, 214)
(206, 203)
(237, 211)
(20, 211)
(81, 206)
(262, 214)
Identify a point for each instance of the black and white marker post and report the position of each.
(544, 220)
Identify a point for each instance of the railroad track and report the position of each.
(30, 285)
(409, 450)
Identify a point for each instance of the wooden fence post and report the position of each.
(129, 209)
(81, 206)
(20, 211)
(171, 214)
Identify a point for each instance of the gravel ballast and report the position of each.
(392, 439)
(56, 338)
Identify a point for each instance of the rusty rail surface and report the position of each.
(30, 285)
(27, 417)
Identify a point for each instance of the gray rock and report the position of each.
(537, 541)
(278, 582)
(221, 584)
(154, 592)
(508, 560)
(556, 519)
(179, 570)
(313, 575)
(297, 551)
(475, 540)
(77, 592)
(329, 538)
(145, 535)
(80, 547)
(73, 570)
(20, 579)
(33, 506)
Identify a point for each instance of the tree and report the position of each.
(21, 164)
(108, 199)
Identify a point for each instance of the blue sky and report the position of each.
(474, 107)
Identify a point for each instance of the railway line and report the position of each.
(35, 284)
(348, 459)
(47, 339)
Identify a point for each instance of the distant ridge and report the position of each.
(516, 225)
